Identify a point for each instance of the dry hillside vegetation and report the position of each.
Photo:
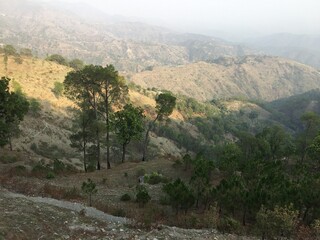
(52, 126)
(36, 78)
(258, 77)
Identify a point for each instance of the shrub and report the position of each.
(19, 170)
(34, 107)
(58, 59)
(278, 222)
(50, 175)
(9, 50)
(228, 224)
(76, 64)
(154, 178)
(58, 166)
(17, 87)
(58, 89)
(40, 168)
(6, 159)
(316, 228)
(125, 197)
(89, 188)
(142, 196)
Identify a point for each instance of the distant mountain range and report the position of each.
(302, 48)
(130, 46)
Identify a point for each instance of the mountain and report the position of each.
(254, 77)
(130, 46)
(302, 48)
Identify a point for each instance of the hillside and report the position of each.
(253, 77)
(50, 129)
(130, 46)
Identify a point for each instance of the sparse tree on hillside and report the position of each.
(13, 107)
(165, 105)
(83, 86)
(113, 90)
(82, 135)
(89, 188)
(58, 59)
(128, 126)
(101, 88)
(9, 50)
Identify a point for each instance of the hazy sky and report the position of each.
(265, 16)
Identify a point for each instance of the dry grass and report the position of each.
(260, 77)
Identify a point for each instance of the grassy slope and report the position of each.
(257, 77)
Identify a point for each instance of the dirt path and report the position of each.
(77, 207)
(26, 217)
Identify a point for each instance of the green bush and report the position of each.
(125, 197)
(58, 59)
(50, 175)
(9, 50)
(229, 225)
(58, 166)
(89, 188)
(316, 228)
(154, 178)
(34, 107)
(76, 64)
(58, 89)
(142, 196)
(280, 221)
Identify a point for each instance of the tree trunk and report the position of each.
(244, 216)
(108, 126)
(84, 158)
(84, 145)
(145, 144)
(146, 140)
(123, 152)
(97, 135)
(10, 142)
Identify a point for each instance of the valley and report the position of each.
(116, 128)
